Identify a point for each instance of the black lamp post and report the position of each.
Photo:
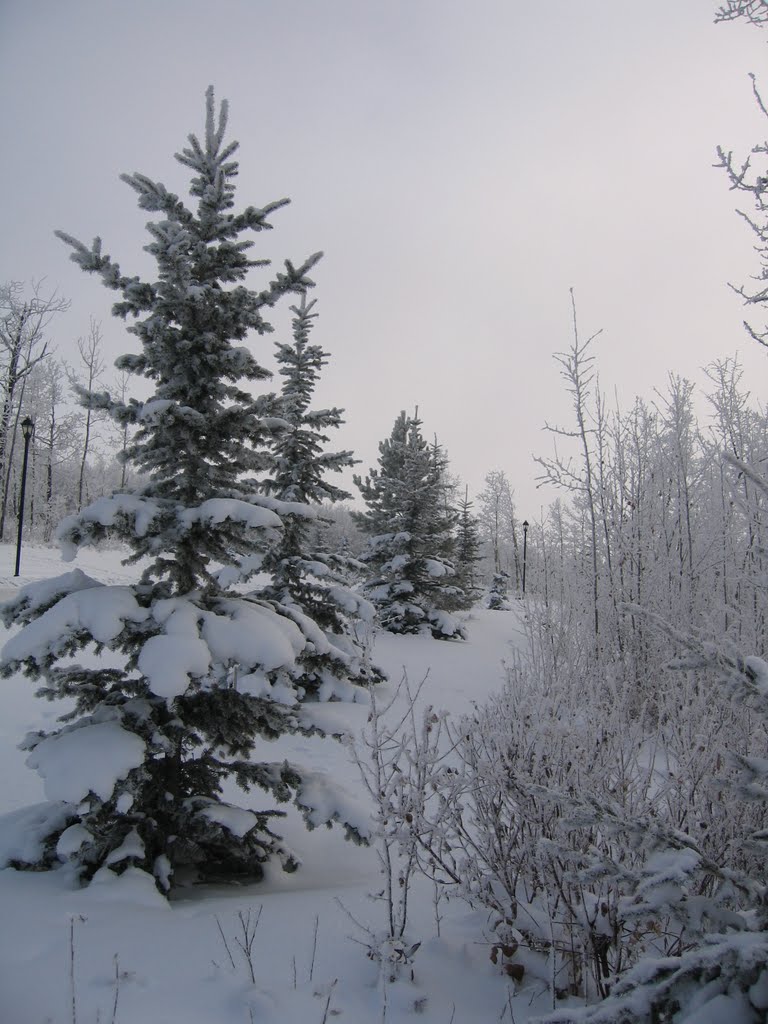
(27, 429)
(525, 549)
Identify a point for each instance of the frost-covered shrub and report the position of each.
(723, 974)
(596, 832)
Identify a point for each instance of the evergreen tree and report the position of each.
(413, 581)
(308, 578)
(197, 673)
(497, 595)
(468, 548)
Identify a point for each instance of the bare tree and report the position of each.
(92, 363)
(753, 11)
(56, 433)
(577, 370)
(744, 177)
(23, 344)
(497, 520)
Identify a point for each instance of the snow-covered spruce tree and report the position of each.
(308, 579)
(468, 548)
(413, 582)
(182, 679)
(497, 595)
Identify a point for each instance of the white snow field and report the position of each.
(118, 953)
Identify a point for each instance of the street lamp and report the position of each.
(525, 549)
(27, 429)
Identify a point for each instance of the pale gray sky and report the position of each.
(462, 164)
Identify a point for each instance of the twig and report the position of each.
(508, 1006)
(314, 947)
(72, 968)
(353, 919)
(328, 1001)
(113, 1018)
(249, 934)
(224, 940)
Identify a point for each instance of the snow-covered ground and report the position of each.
(62, 948)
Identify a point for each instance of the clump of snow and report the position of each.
(124, 803)
(257, 685)
(150, 412)
(324, 801)
(22, 832)
(217, 510)
(352, 603)
(435, 568)
(252, 634)
(44, 592)
(134, 887)
(168, 662)
(234, 819)
(131, 846)
(84, 759)
(100, 611)
(758, 672)
(284, 508)
(71, 839)
(105, 512)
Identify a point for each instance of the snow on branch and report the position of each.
(36, 597)
(91, 524)
(100, 612)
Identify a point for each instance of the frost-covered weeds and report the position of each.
(385, 759)
(601, 833)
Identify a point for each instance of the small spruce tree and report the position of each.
(413, 582)
(308, 579)
(189, 676)
(497, 595)
(468, 549)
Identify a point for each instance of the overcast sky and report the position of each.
(462, 163)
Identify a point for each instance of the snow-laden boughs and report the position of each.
(412, 579)
(182, 677)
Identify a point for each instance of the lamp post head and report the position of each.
(525, 524)
(27, 426)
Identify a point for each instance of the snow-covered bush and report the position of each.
(384, 757)
(597, 831)
(721, 972)
(182, 677)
